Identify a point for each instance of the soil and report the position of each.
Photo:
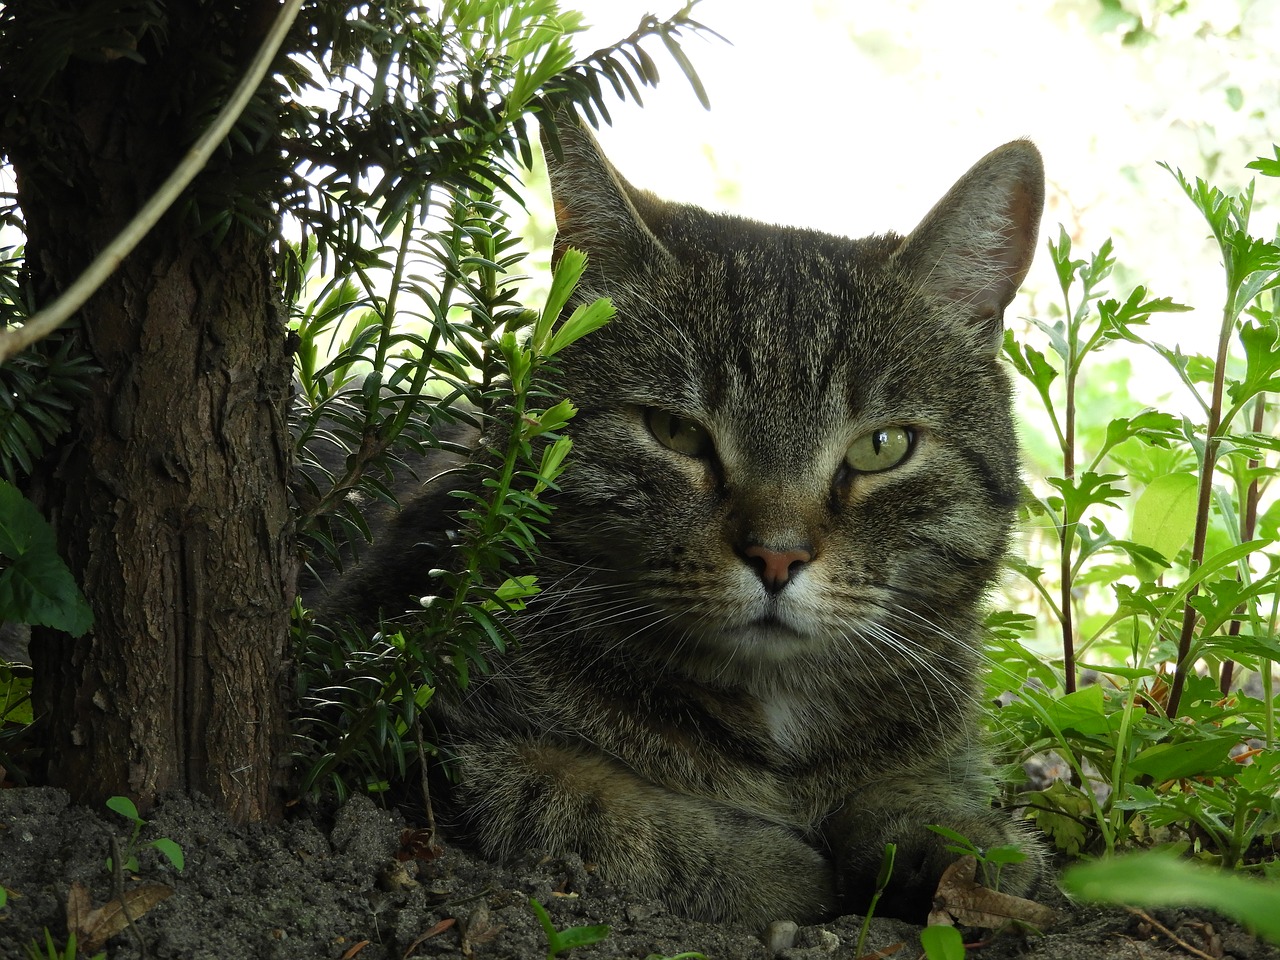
(360, 882)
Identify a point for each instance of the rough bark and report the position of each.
(170, 497)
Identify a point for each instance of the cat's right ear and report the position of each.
(973, 249)
(593, 206)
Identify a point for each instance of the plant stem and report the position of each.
(1067, 535)
(1248, 524)
(1203, 506)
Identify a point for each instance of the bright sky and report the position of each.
(854, 117)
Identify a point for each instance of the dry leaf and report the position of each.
(93, 928)
(356, 948)
(418, 845)
(439, 928)
(962, 900)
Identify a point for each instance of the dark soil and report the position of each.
(355, 884)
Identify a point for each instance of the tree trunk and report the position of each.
(170, 498)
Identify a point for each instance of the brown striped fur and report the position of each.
(753, 665)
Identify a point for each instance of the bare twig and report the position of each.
(1147, 918)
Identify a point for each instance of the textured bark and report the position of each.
(170, 498)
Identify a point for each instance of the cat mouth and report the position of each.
(770, 623)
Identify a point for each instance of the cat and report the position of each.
(755, 660)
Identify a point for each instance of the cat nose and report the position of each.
(776, 567)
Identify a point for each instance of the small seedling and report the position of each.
(990, 861)
(568, 938)
(167, 848)
(49, 951)
(882, 881)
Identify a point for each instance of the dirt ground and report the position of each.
(354, 884)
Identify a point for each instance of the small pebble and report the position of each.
(780, 935)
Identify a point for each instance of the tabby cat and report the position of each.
(793, 478)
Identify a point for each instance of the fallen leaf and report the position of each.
(418, 845)
(439, 928)
(354, 949)
(94, 927)
(962, 900)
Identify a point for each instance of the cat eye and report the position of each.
(881, 449)
(679, 433)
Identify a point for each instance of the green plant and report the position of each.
(990, 861)
(50, 951)
(1157, 879)
(421, 335)
(1162, 746)
(942, 942)
(882, 881)
(167, 848)
(35, 585)
(560, 940)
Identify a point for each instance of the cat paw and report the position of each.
(922, 856)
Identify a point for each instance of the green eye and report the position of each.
(881, 449)
(679, 433)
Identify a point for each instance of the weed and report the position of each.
(560, 940)
(882, 881)
(1164, 746)
(170, 850)
(990, 860)
(50, 951)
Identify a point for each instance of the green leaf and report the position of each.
(1087, 490)
(1189, 758)
(37, 587)
(1159, 879)
(564, 279)
(1030, 363)
(125, 807)
(1129, 673)
(942, 942)
(171, 851)
(1083, 711)
(584, 319)
(1164, 515)
(1262, 361)
(1265, 166)
(561, 940)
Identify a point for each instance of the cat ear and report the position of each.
(973, 249)
(596, 209)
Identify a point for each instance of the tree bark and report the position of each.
(170, 498)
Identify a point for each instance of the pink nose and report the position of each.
(775, 567)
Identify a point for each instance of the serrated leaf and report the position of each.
(1088, 489)
(1265, 166)
(1164, 515)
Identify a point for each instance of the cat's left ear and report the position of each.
(973, 249)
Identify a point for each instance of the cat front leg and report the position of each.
(900, 812)
(706, 861)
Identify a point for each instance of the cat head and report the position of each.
(790, 444)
